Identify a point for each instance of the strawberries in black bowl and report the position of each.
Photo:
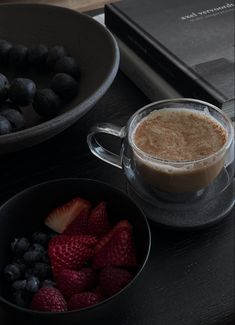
(81, 251)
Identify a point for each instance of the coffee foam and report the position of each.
(178, 135)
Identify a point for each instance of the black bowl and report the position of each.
(25, 212)
(90, 43)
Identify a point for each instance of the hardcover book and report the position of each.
(190, 43)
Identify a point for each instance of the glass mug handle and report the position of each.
(98, 150)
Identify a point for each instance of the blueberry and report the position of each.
(64, 86)
(12, 272)
(22, 91)
(4, 51)
(20, 263)
(18, 285)
(5, 126)
(14, 116)
(37, 248)
(19, 246)
(4, 86)
(67, 65)
(48, 283)
(20, 298)
(28, 272)
(46, 103)
(37, 55)
(31, 257)
(39, 238)
(55, 53)
(45, 258)
(32, 284)
(18, 56)
(42, 270)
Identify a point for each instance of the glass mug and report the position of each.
(152, 177)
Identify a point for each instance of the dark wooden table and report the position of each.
(189, 278)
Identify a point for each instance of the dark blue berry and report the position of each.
(4, 86)
(19, 246)
(31, 257)
(32, 284)
(46, 103)
(4, 51)
(22, 91)
(18, 56)
(48, 283)
(28, 272)
(40, 238)
(5, 125)
(67, 65)
(18, 285)
(55, 53)
(64, 86)
(45, 258)
(37, 248)
(19, 262)
(37, 55)
(12, 272)
(20, 298)
(42, 270)
(14, 116)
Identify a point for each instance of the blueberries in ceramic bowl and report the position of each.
(4, 86)
(18, 56)
(64, 86)
(22, 91)
(46, 103)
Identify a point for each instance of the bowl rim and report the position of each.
(66, 116)
(108, 300)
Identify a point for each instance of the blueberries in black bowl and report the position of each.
(18, 56)
(4, 51)
(22, 91)
(64, 86)
(20, 246)
(12, 272)
(46, 103)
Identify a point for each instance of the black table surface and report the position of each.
(189, 278)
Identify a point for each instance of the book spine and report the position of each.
(176, 76)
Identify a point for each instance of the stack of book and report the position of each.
(177, 48)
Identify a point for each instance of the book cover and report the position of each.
(191, 43)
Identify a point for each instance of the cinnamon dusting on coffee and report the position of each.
(179, 134)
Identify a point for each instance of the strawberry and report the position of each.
(79, 225)
(104, 240)
(70, 282)
(49, 299)
(98, 223)
(70, 252)
(113, 279)
(118, 251)
(83, 299)
(62, 216)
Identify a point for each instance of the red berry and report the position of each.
(70, 282)
(59, 219)
(98, 223)
(49, 299)
(118, 251)
(83, 299)
(70, 252)
(113, 279)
